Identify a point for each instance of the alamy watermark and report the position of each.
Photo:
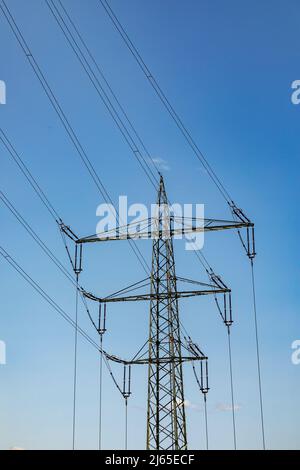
(296, 354)
(295, 97)
(161, 221)
(2, 92)
(2, 353)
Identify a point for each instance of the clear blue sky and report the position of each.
(227, 67)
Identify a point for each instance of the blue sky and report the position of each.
(228, 69)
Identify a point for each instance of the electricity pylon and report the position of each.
(166, 425)
(166, 421)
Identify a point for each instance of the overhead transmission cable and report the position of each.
(63, 118)
(75, 364)
(200, 156)
(103, 95)
(126, 424)
(100, 397)
(206, 422)
(36, 238)
(70, 131)
(16, 156)
(28, 175)
(48, 252)
(113, 94)
(107, 101)
(42, 245)
(29, 55)
(163, 98)
(46, 297)
(258, 358)
(101, 92)
(232, 389)
(5, 255)
(101, 331)
(168, 106)
(95, 82)
(205, 404)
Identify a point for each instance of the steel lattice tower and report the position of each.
(166, 425)
(164, 353)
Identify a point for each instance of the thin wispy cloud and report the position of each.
(192, 406)
(188, 404)
(227, 407)
(161, 164)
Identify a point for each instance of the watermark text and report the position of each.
(163, 221)
(2, 353)
(2, 92)
(296, 354)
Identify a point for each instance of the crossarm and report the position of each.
(161, 296)
(126, 232)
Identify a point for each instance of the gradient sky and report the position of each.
(228, 69)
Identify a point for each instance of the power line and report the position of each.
(258, 358)
(91, 74)
(105, 99)
(36, 237)
(42, 245)
(48, 252)
(76, 333)
(63, 118)
(107, 84)
(204, 393)
(101, 92)
(46, 297)
(126, 424)
(165, 101)
(188, 137)
(64, 271)
(100, 396)
(101, 331)
(54, 259)
(13, 263)
(206, 421)
(75, 365)
(28, 175)
(33, 182)
(28, 56)
(231, 388)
